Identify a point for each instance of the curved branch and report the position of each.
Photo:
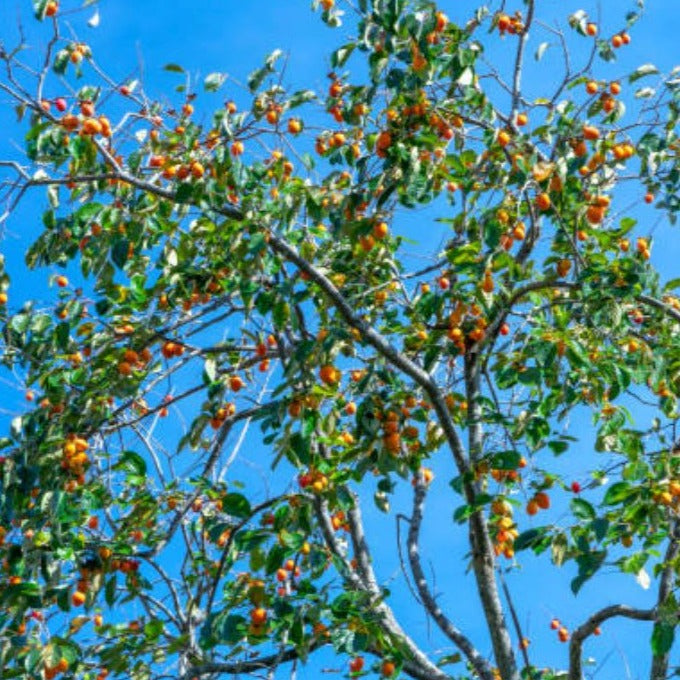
(588, 628)
(456, 636)
(418, 666)
(483, 558)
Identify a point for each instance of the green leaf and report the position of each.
(642, 72)
(256, 78)
(588, 564)
(119, 253)
(617, 493)
(173, 68)
(236, 504)
(582, 509)
(233, 629)
(541, 50)
(130, 461)
(530, 538)
(153, 629)
(210, 370)
(214, 81)
(110, 591)
(662, 638)
(342, 54)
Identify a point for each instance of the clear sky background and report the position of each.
(233, 36)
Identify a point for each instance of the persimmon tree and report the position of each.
(248, 271)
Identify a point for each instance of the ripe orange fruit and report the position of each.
(543, 201)
(78, 598)
(124, 368)
(592, 87)
(61, 281)
(487, 282)
(294, 126)
(542, 500)
(380, 230)
(617, 41)
(387, 669)
(51, 8)
(3, 300)
(237, 148)
(532, 507)
(555, 624)
(519, 231)
(615, 88)
(197, 169)
(92, 126)
(258, 616)
(608, 104)
(503, 138)
(590, 132)
(642, 245)
(236, 383)
(649, 198)
(580, 149)
(595, 214)
(329, 374)
(625, 38)
(504, 23)
(563, 634)
(441, 22)
(383, 143)
(591, 30)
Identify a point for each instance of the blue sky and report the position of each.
(233, 37)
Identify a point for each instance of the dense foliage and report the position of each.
(253, 271)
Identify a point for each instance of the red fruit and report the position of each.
(387, 669)
(555, 624)
(543, 500)
(236, 383)
(597, 631)
(576, 487)
(505, 329)
(60, 104)
(124, 90)
(563, 634)
(356, 664)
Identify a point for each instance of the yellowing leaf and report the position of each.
(542, 170)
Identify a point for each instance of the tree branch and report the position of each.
(456, 636)
(588, 628)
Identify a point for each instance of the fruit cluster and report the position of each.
(74, 459)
